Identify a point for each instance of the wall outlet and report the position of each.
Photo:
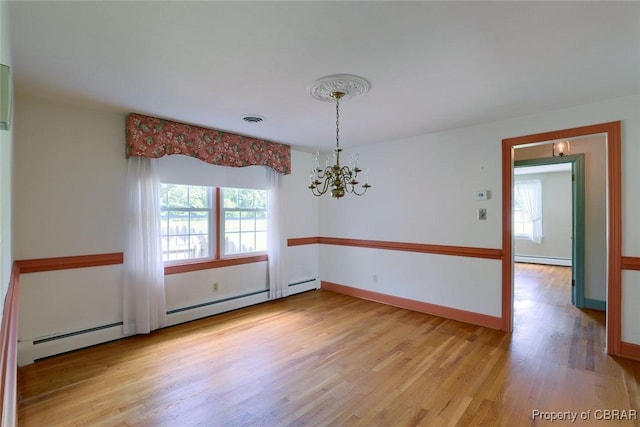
(482, 214)
(214, 287)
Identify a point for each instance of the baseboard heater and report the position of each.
(111, 325)
(73, 334)
(303, 282)
(218, 301)
(30, 351)
(250, 294)
(40, 348)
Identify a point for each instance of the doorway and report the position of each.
(612, 141)
(574, 164)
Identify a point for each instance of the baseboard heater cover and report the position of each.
(304, 286)
(73, 334)
(218, 301)
(31, 350)
(302, 282)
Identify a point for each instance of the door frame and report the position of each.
(614, 222)
(577, 218)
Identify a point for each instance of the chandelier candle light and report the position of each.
(341, 179)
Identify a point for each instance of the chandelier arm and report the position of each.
(327, 177)
(359, 194)
(345, 174)
(320, 174)
(319, 191)
(364, 186)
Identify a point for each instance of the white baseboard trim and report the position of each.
(566, 262)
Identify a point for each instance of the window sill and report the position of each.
(212, 263)
(522, 237)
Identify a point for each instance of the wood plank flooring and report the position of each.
(321, 358)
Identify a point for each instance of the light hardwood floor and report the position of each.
(321, 358)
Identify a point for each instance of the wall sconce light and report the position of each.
(561, 148)
(5, 97)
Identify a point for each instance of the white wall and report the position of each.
(69, 171)
(556, 218)
(423, 191)
(595, 208)
(69, 180)
(69, 189)
(6, 144)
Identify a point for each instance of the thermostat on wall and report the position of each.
(482, 194)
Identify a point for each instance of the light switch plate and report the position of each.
(482, 194)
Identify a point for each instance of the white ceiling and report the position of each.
(432, 65)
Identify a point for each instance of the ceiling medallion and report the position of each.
(323, 88)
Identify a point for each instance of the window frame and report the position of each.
(217, 259)
(222, 221)
(210, 224)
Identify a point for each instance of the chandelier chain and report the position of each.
(337, 123)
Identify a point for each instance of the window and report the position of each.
(522, 223)
(186, 214)
(527, 210)
(245, 220)
(189, 229)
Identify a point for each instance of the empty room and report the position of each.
(346, 213)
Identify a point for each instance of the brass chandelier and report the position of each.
(341, 179)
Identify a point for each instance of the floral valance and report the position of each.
(152, 137)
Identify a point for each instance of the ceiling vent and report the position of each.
(253, 119)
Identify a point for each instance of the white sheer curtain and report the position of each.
(530, 195)
(143, 297)
(278, 287)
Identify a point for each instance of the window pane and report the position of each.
(231, 221)
(261, 199)
(177, 196)
(199, 222)
(245, 199)
(229, 197)
(247, 242)
(164, 195)
(248, 221)
(261, 241)
(185, 216)
(245, 220)
(261, 221)
(178, 223)
(198, 197)
(231, 243)
(198, 246)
